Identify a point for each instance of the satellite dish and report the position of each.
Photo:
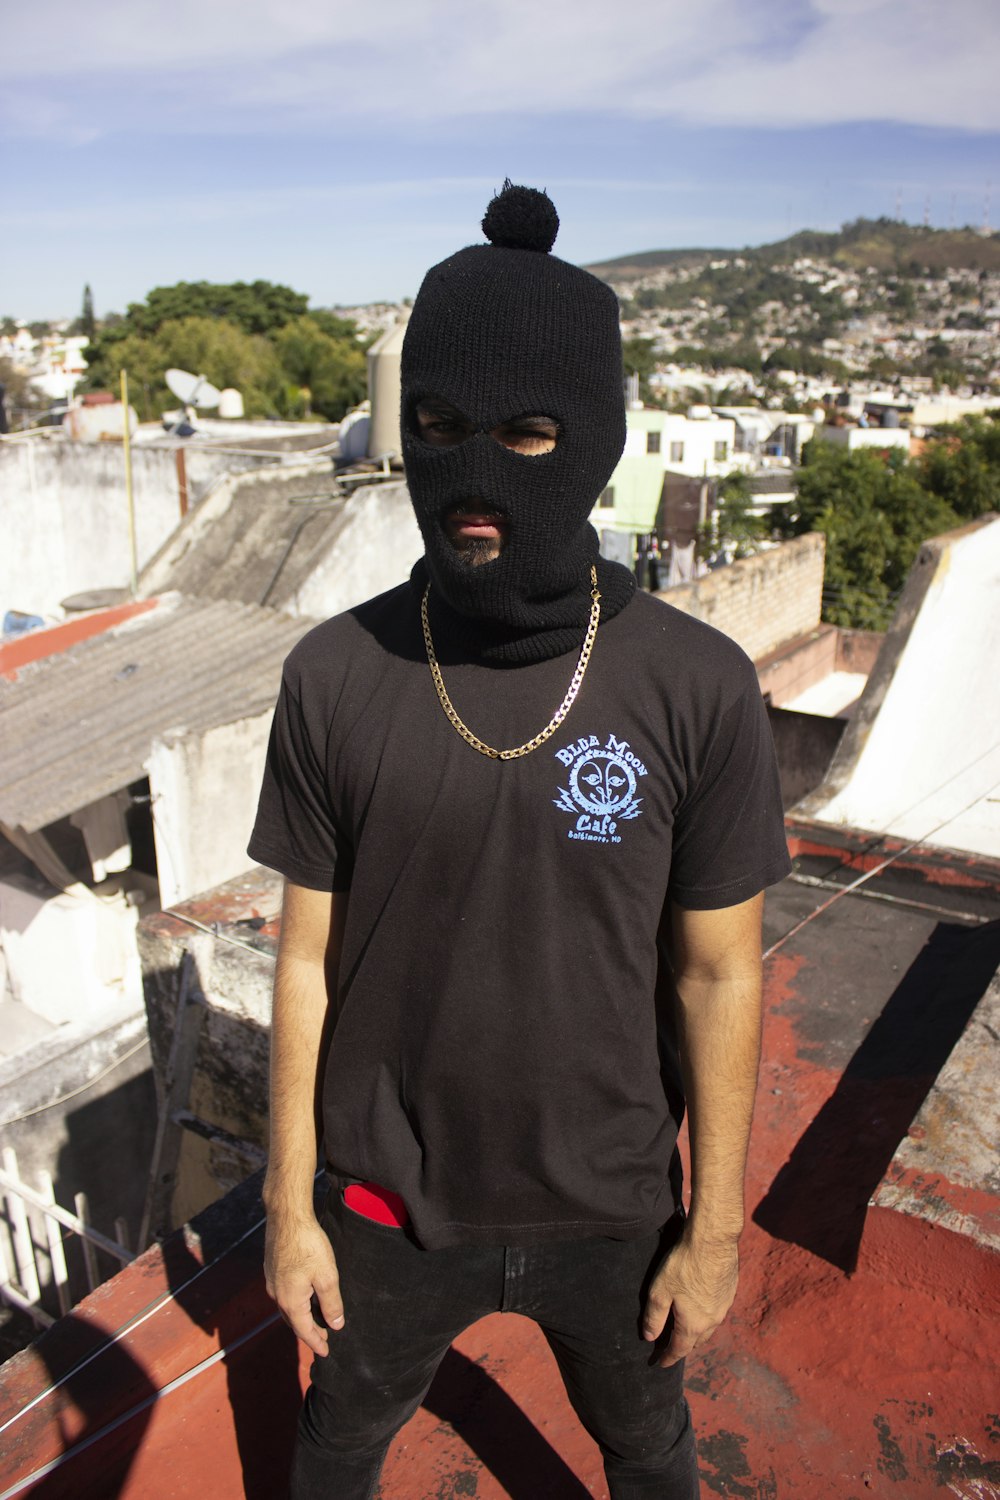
(192, 390)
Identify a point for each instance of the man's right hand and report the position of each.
(299, 1261)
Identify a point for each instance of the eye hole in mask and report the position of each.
(441, 425)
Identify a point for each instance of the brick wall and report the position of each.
(762, 601)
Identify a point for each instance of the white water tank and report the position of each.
(699, 413)
(384, 388)
(354, 433)
(230, 404)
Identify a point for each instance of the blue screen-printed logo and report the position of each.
(601, 790)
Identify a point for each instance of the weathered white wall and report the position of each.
(930, 766)
(65, 519)
(375, 550)
(204, 789)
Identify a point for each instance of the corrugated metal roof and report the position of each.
(78, 726)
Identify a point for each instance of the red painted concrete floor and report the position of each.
(841, 1373)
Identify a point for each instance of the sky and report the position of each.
(343, 149)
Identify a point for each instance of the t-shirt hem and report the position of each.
(443, 1236)
(312, 877)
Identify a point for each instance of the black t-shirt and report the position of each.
(495, 1057)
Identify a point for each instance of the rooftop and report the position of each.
(283, 536)
(79, 717)
(855, 1361)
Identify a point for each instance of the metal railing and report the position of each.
(33, 1244)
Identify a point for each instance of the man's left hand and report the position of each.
(697, 1283)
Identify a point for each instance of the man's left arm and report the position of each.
(716, 959)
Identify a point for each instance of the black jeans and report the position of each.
(404, 1306)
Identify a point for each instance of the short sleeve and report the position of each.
(729, 833)
(296, 831)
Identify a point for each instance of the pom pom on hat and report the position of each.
(521, 218)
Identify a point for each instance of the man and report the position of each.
(514, 940)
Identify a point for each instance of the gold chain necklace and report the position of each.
(561, 711)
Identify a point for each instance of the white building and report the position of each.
(699, 445)
(854, 438)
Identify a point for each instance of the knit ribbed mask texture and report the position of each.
(500, 332)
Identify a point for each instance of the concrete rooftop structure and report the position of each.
(921, 756)
(296, 538)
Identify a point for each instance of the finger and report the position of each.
(654, 1318)
(684, 1341)
(331, 1304)
(300, 1320)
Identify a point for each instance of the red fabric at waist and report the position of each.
(378, 1203)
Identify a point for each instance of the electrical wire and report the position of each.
(223, 937)
(131, 1324)
(867, 875)
(74, 1093)
(133, 1411)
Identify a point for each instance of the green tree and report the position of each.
(255, 307)
(733, 528)
(640, 359)
(86, 323)
(255, 336)
(875, 514)
(962, 465)
(336, 326)
(206, 346)
(331, 367)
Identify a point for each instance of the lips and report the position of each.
(469, 520)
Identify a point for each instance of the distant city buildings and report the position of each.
(55, 363)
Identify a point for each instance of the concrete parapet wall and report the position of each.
(787, 672)
(920, 758)
(254, 539)
(857, 650)
(804, 745)
(762, 601)
(375, 548)
(227, 940)
(66, 517)
(205, 788)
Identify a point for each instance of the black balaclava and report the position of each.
(502, 331)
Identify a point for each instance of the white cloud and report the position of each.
(233, 66)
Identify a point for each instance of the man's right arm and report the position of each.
(298, 1259)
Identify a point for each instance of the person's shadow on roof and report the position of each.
(820, 1197)
(223, 1292)
(95, 1376)
(498, 1432)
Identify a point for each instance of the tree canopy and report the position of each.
(876, 509)
(255, 307)
(259, 337)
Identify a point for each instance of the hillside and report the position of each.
(884, 244)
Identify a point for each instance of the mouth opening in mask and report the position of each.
(477, 530)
